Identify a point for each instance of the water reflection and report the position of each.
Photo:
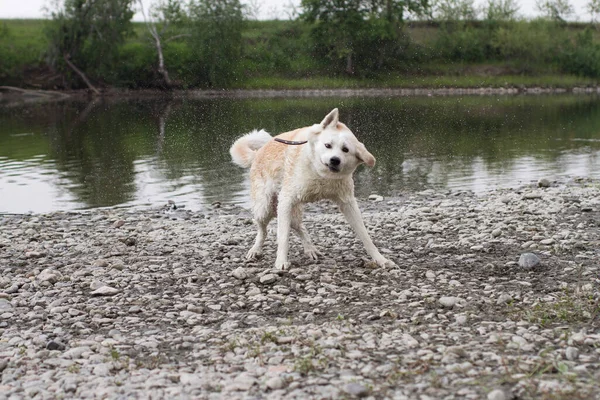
(108, 152)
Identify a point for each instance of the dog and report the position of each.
(301, 166)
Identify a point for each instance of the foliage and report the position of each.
(500, 10)
(356, 36)
(88, 33)
(555, 10)
(217, 39)
(583, 58)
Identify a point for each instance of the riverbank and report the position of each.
(160, 303)
(13, 96)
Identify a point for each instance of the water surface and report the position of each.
(78, 155)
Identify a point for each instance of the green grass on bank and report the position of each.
(433, 82)
(276, 56)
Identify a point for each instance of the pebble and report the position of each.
(496, 394)
(448, 301)
(240, 273)
(529, 261)
(268, 279)
(105, 291)
(356, 390)
(275, 383)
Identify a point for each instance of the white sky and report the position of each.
(268, 9)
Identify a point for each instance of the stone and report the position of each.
(268, 279)
(496, 394)
(356, 390)
(448, 302)
(105, 291)
(543, 183)
(375, 198)
(53, 345)
(49, 275)
(529, 261)
(504, 298)
(239, 273)
(572, 353)
(275, 383)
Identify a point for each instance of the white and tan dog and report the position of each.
(302, 166)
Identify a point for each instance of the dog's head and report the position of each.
(336, 149)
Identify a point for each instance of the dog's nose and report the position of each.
(334, 161)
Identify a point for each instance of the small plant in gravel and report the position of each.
(74, 369)
(304, 365)
(268, 337)
(114, 354)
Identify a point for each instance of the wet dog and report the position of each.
(302, 166)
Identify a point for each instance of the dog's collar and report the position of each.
(292, 142)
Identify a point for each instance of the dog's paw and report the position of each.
(385, 263)
(283, 265)
(253, 254)
(312, 253)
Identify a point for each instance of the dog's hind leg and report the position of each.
(263, 213)
(309, 248)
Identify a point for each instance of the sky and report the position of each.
(268, 9)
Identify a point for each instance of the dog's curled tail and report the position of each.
(244, 149)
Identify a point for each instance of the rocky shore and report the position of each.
(495, 296)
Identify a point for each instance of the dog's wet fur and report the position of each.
(286, 174)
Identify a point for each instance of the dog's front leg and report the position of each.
(349, 207)
(284, 223)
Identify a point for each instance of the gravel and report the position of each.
(161, 302)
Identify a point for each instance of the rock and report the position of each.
(496, 232)
(100, 263)
(119, 223)
(102, 370)
(3, 364)
(240, 273)
(53, 345)
(543, 183)
(49, 275)
(448, 302)
(572, 353)
(504, 298)
(496, 394)
(356, 390)
(275, 383)
(375, 198)
(268, 279)
(409, 341)
(5, 305)
(529, 261)
(105, 291)
(96, 284)
(253, 292)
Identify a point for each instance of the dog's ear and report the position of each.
(363, 155)
(331, 119)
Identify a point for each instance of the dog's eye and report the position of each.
(328, 145)
(345, 149)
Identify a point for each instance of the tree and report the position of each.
(84, 35)
(216, 28)
(593, 7)
(500, 10)
(359, 34)
(555, 10)
(454, 10)
(166, 22)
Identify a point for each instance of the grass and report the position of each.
(411, 82)
(568, 308)
(276, 58)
